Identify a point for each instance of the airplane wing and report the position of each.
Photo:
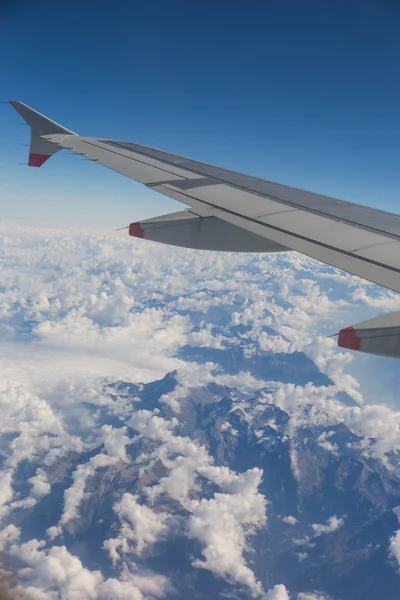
(230, 211)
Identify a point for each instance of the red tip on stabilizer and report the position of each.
(135, 229)
(348, 339)
(37, 160)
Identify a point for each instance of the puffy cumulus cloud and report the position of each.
(279, 592)
(40, 484)
(299, 311)
(275, 343)
(92, 309)
(324, 352)
(294, 460)
(186, 459)
(35, 427)
(394, 547)
(8, 535)
(133, 587)
(205, 338)
(182, 456)
(115, 441)
(331, 525)
(73, 496)
(301, 556)
(243, 381)
(303, 542)
(152, 426)
(290, 520)
(141, 527)
(56, 569)
(89, 349)
(188, 376)
(183, 472)
(229, 481)
(311, 596)
(307, 405)
(89, 299)
(194, 375)
(324, 442)
(385, 300)
(6, 491)
(222, 525)
(56, 573)
(86, 295)
(8, 590)
(33, 430)
(310, 299)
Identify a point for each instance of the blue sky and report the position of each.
(305, 93)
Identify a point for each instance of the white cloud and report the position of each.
(151, 426)
(39, 483)
(385, 300)
(311, 405)
(331, 525)
(8, 535)
(324, 352)
(115, 441)
(274, 343)
(58, 573)
(141, 527)
(222, 524)
(6, 491)
(78, 310)
(279, 592)
(394, 547)
(73, 496)
(290, 520)
(324, 442)
(302, 556)
(303, 542)
(311, 596)
(36, 426)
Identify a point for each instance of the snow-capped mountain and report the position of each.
(329, 514)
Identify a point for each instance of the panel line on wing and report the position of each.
(294, 205)
(278, 212)
(186, 184)
(373, 246)
(134, 159)
(296, 235)
(341, 219)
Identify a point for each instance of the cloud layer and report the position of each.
(80, 311)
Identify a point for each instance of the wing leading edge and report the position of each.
(226, 206)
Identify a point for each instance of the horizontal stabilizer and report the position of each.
(380, 336)
(201, 233)
(41, 149)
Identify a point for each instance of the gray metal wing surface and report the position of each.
(236, 212)
(361, 240)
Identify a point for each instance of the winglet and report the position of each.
(41, 148)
